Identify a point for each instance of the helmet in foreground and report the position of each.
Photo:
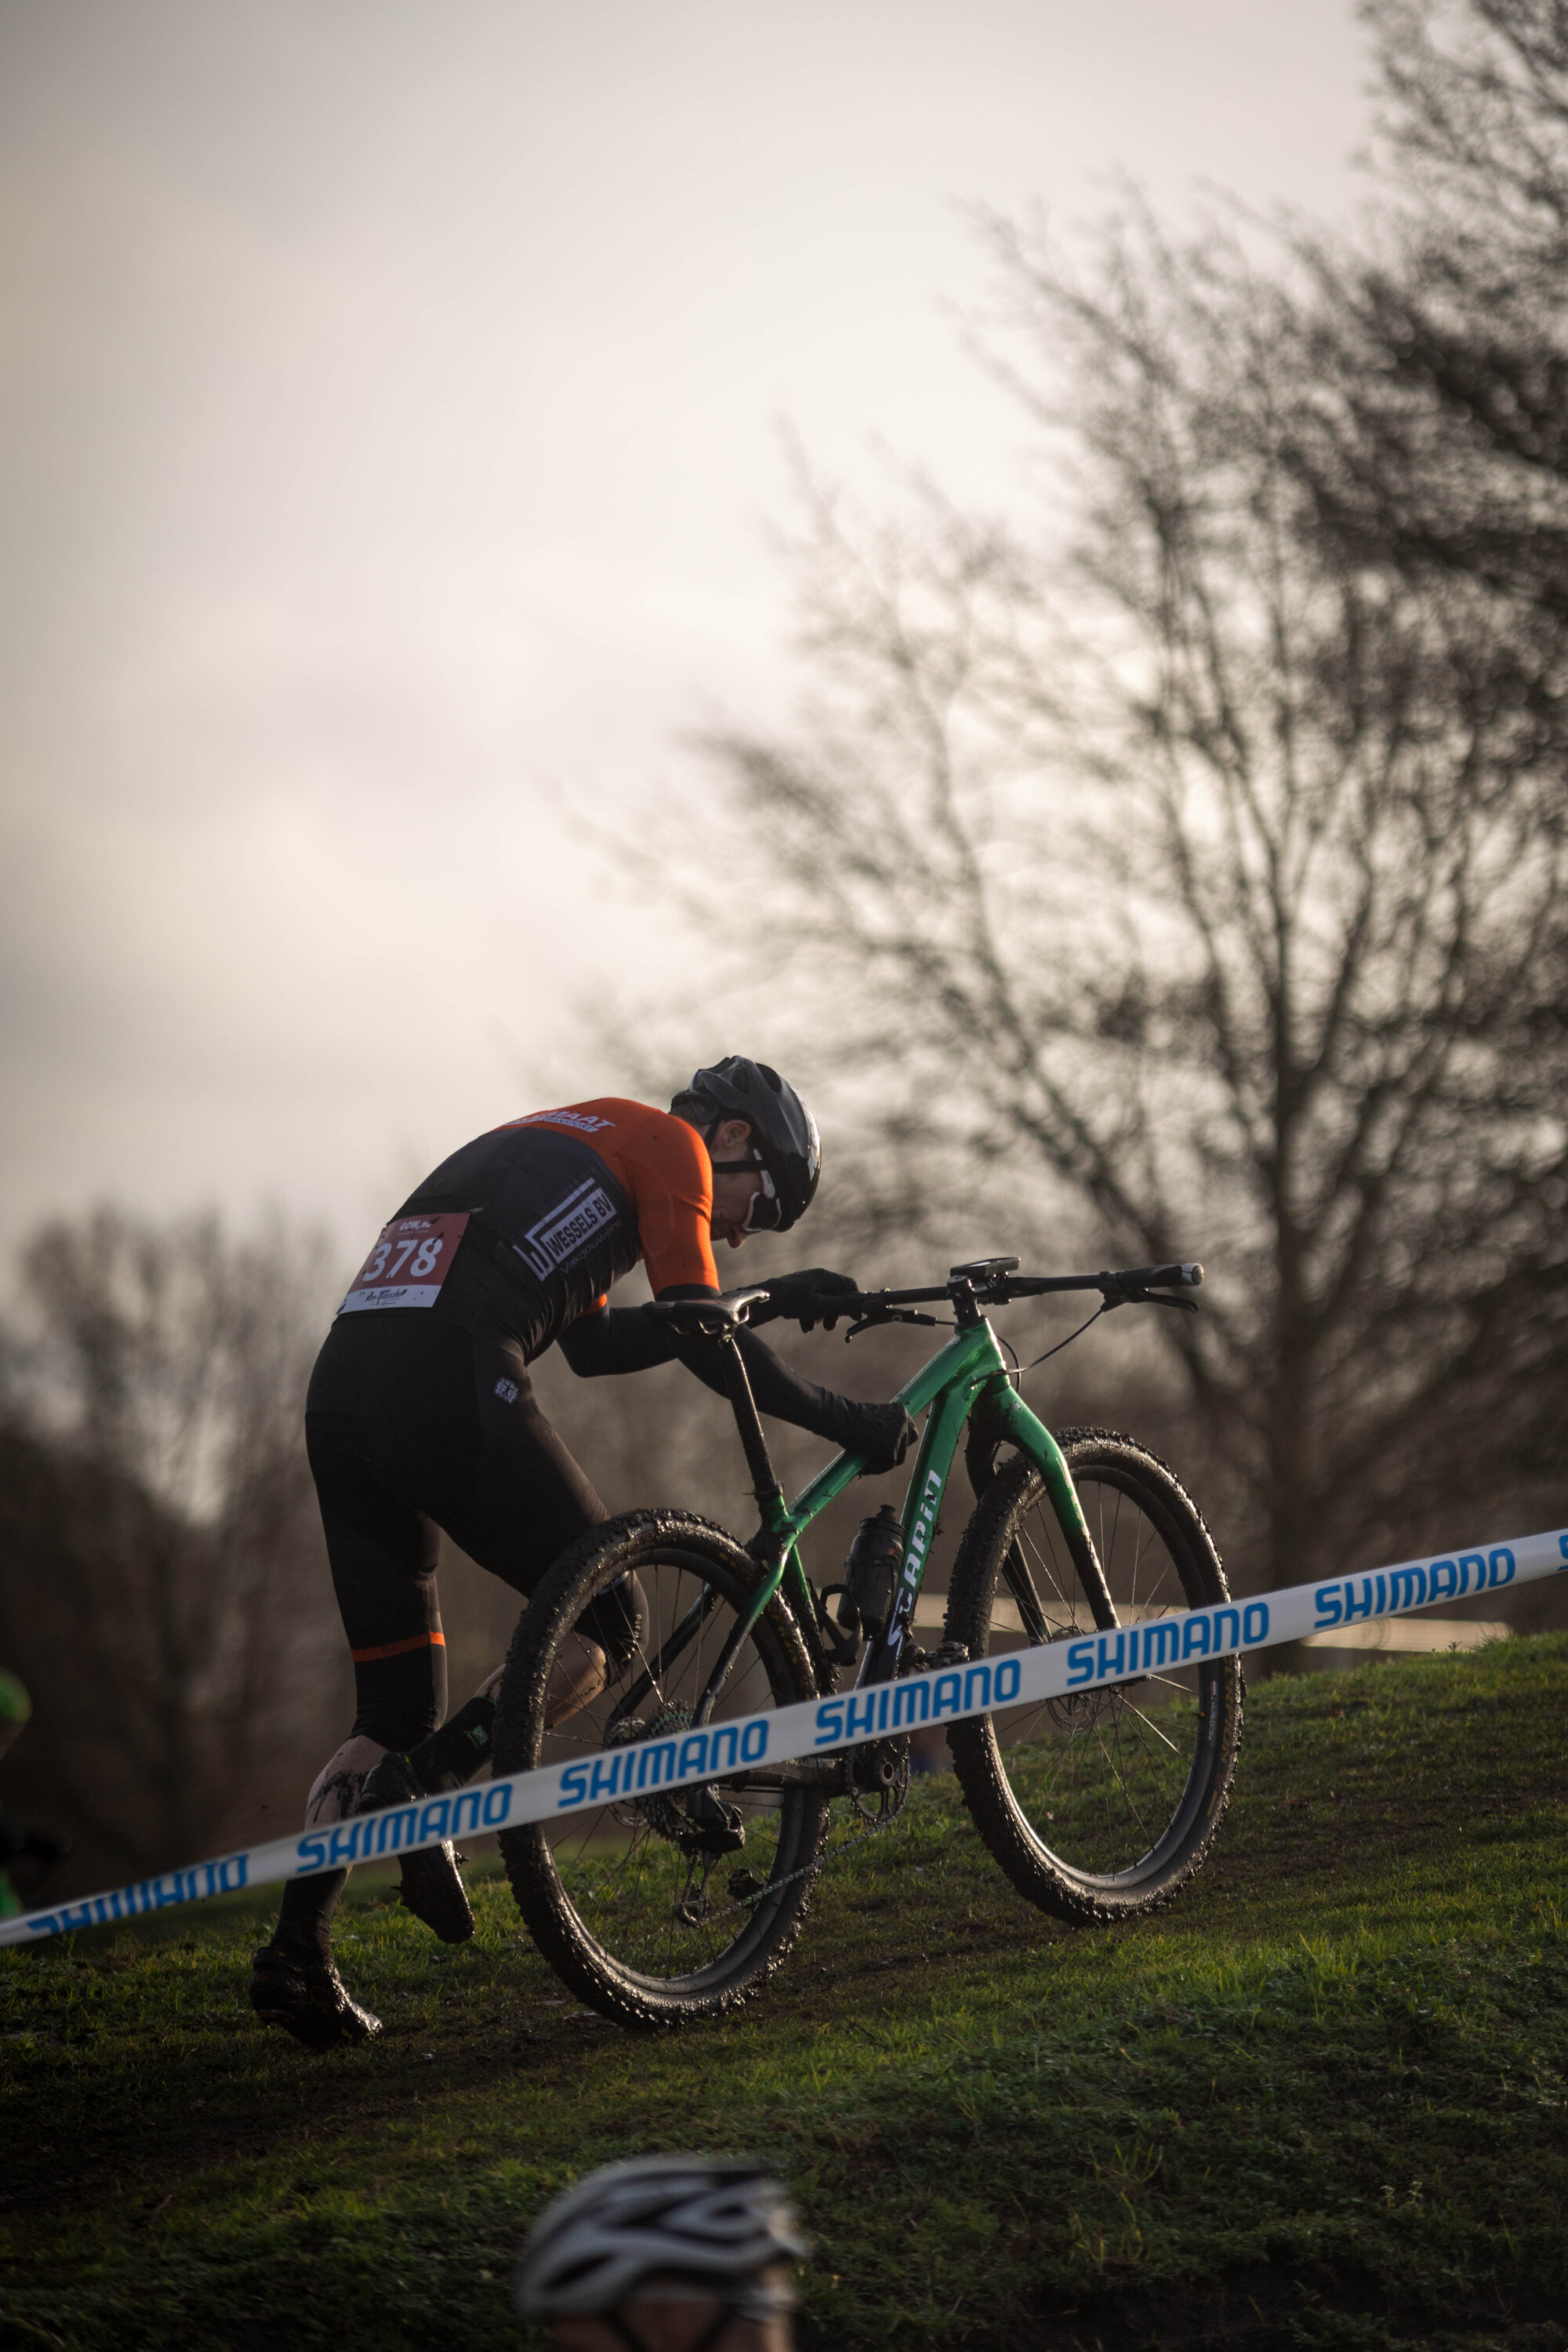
(718, 2221)
(785, 1140)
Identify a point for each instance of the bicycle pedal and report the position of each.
(745, 1885)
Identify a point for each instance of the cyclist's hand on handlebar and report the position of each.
(805, 1295)
(882, 1432)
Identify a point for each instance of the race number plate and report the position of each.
(408, 1263)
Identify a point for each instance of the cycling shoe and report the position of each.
(431, 1887)
(309, 1999)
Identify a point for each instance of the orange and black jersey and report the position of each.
(563, 1203)
(661, 1165)
(560, 1203)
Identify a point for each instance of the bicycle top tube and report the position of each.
(970, 1358)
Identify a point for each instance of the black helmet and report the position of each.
(784, 1142)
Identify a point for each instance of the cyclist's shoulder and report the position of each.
(604, 1117)
(662, 1149)
(655, 1155)
(631, 1131)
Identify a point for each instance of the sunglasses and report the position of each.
(764, 1211)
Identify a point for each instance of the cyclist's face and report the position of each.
(678, 2324)
(732, 1195)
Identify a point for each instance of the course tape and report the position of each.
(1053, 1670)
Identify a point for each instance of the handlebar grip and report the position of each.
(1164, 1277)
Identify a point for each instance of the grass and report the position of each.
(1317, 2103)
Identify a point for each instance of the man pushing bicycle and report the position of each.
(421, 1417)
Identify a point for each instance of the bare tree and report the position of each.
(1171, 867)
(163, 1585)
(1437, 446)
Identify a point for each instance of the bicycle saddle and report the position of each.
(706, 1319)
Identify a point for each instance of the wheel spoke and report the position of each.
(1088, 1800)
(1148, 1725)
(630, 1897)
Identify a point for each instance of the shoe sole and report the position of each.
(433, 1891)
(359, 2025)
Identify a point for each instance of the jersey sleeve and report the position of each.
(666, 1171)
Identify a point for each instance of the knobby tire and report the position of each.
(1100, 1805)
(643, 1928)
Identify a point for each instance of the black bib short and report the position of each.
(441, 1430)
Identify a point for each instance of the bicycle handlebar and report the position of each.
(1186, 1276)
(988, 1282)
(992, 1282)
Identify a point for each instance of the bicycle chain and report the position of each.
(922, 1661)
(948, 1654)
(810, 1869)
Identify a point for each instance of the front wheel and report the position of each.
(665, 1904)
(1101, 1804)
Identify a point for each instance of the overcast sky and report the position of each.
(389, 407)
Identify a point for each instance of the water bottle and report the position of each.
(871, 1573)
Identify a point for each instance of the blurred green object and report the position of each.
(15, 1707)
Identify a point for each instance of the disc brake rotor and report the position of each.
(665, 1815)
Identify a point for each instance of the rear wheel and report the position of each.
(666, 1905)
(1101, 1804)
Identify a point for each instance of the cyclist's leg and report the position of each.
(382, 1556)
(512, 1496)
(501, 1482)
(507, 1490)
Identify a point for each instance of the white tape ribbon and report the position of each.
(818, 1727)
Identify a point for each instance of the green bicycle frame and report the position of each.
(970, 1366)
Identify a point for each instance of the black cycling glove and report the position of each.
(882, 1432)
(798, 1293)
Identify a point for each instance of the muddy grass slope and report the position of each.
(1320, 2101)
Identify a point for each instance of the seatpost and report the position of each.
(747, 1421)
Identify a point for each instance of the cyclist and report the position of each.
(666, 2253)
(420, 1417)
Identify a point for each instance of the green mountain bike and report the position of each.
(674, 1904)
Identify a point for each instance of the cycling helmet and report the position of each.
(715, 2220)
(784, 1142)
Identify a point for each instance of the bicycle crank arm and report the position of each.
(829, 1772)
(854, 1772)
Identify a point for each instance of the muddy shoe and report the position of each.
(309, 1997)
(431, 1887)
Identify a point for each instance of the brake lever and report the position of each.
(1146, 1298)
